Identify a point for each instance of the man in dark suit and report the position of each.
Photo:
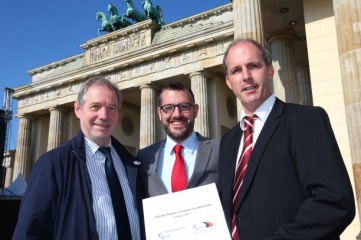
(291, 181)
(70, 193)
(177, 111)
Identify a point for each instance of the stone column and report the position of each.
(55, 127)
(247, 19)
(199, 88)
(304, 85)
(285, 79)
(348, 29)
(147, 116)
(9, 158)
(23, 152)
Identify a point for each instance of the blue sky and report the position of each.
(37, 32)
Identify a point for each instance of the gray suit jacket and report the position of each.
(205, 169)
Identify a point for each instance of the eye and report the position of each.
(112, 109)
(168, 107)
(184, 106)
(94, 107)
(236, 70)
(254, 66)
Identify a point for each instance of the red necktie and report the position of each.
(179, 175)
(241, 168)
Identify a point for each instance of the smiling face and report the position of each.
(99, 114)
(248, 76)
(178, 125)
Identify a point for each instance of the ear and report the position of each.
(228, 83)
(159, 113)
(196, 109)
(77, 109)
(271, 71)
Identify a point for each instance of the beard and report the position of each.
(180, 135)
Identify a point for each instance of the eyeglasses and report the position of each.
(183, 107)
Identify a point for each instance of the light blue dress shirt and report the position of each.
(102, 202)
(167, 158)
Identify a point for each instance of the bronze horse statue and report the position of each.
(133, 13)
(106, 26)
(153, 13)
(116, 21)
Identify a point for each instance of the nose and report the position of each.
(246, 74)
(176, 112)
(103, 113)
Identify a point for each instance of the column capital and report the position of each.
(56, 108)
(25, 115)
(203, 73)
(150, 85)
(284, 35)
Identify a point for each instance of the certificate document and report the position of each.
(190, 214)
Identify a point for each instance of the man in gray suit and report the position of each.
(199, 156)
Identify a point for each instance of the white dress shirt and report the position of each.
(262, 113)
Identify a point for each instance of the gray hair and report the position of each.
(266, 55)
(98, 80)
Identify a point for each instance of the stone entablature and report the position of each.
(52, 94)
(129, 58)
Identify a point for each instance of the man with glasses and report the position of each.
(185, 159)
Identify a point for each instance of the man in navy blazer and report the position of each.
(296, 185)
(177, 111)
(68, 195)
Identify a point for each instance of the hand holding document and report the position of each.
(190, 214)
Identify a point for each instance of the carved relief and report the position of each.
(26, 101)
(221, 48)
(99, 53)
(186, 57)
(203, 53)
(117, 47)
(166, 62)
(47, 96)
(36, 99)
(121, 76)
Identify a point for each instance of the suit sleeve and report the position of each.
(37, 210)
(329, 203)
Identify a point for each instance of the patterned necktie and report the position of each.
(116, 193)
(241, 168)
(179, 175)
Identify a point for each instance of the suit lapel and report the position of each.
(267, 131)
(158, 183)
(203, 155)
(228, 160)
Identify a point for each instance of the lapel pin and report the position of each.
(136, 163)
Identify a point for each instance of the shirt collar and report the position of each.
(262, 111)
(92, 146)
(188, 144)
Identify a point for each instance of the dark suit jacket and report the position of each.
(58, 199)
(205, 169)
(296, 185)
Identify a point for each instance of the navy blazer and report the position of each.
(296, 185)
(58, 200)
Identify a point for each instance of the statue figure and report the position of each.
(153, 13)
(106, 26)
(116, 21)
(133, 13)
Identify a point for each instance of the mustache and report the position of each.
(178, 119)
